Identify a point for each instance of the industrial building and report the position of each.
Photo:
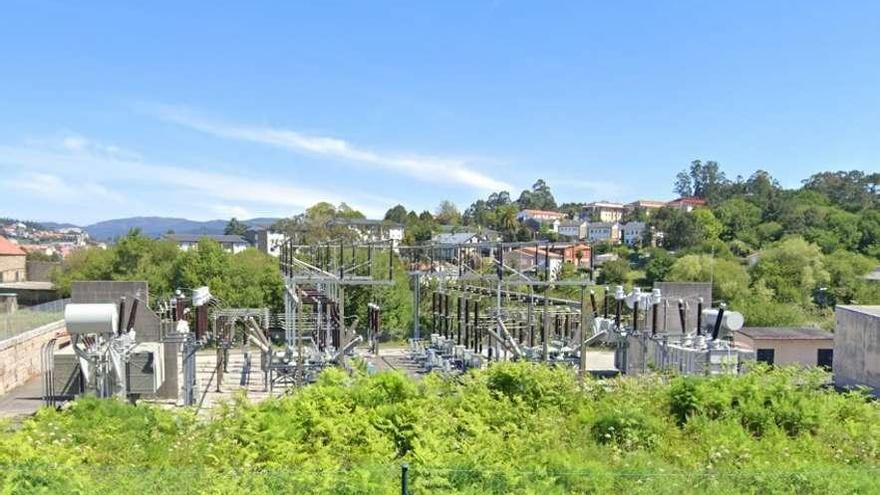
(857, 347)
(785, 345)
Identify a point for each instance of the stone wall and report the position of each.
(41, 271)
(20, 355)
(12, 268)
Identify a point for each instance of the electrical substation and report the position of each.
(472, 305)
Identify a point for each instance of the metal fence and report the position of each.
(29, 318)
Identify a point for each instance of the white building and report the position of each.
(573, 229)
(266, 240)
(533, 259)
(603, 232)
(540, 216)
(230, 243)
(633, 233)
(604, 211)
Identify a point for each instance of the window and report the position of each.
(824, 358)
(766, 356)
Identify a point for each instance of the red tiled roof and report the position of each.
(530, 251)
(689, 201)
(8, 248)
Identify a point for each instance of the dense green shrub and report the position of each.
(513, 428)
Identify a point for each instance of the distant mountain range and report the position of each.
(156, 226)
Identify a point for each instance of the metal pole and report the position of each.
(391, 261)
(404, 479)
(467, 311)
(417, 289)
(458, 319)
(700, 316)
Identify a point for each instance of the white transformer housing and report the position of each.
(730, 322)
(91, 318)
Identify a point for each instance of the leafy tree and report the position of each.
(792, 269)
(708, 227)
(234, 227)
(614, 272)
(729, 279)
(397, 214)
(760, 310)
(447, 213)
(739, 218)
(679, 229)
(701, 180)
(847, 284)
(42, 256)
(869, 226)
(658, 266)
(246, 279)
(538, 198)
(572, 210)
(852, 190)
(762, 189)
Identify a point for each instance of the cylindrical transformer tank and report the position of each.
(730, 322)
(91, 318)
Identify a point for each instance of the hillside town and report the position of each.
(455, 248)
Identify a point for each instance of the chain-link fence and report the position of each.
(29, 318)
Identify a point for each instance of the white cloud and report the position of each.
(78, 167)
(60, 189)
(78, 144)
(424, 168)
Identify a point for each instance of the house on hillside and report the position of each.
(540, 216)
(633, 233)
(603, 211)
(534, 259)
(649, 206)
(575, 253)
(687, 205)
(230, 243)
(604, 232)
(266, 240)
(13, 262)
(573, 229)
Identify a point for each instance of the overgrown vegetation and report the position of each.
(514, 428)
(248, 279)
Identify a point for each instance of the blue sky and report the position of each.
(254, 109)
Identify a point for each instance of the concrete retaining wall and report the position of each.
(857, 347)
(20, 355)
